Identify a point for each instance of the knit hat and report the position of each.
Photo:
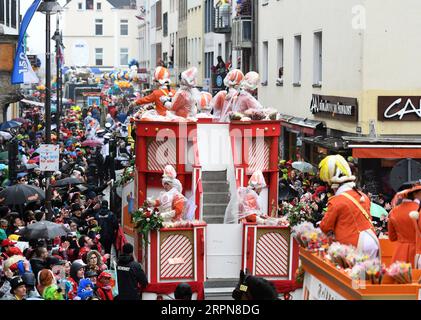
(233, 78)
(162, 75)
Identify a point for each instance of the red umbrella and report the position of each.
(91, 143)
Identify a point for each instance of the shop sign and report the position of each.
(341, 108)
(317, 290)
(399, 108)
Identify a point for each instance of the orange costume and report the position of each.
(171, 203)
(402, 229)
(187, 97)
(161, 95)
(155, 97)
(348, 212)
(345, 220)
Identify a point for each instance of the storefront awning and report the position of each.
(302, 125)
(386, 151)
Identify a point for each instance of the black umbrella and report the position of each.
(21, 194)
(44, 230)
(66, 181)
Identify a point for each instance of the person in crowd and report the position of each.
(94, 262)
(130, 275)
(77, 272)
(17, 289)
(108, 223)
(183, 291)
(104, 286)
(30, 283)
(39, 261)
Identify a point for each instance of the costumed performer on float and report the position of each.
(204, 110)
(247, 205)
(171, 202)
(348, 211)
(246, 101)
(223, 101)
(187, 98)
(404, 225)
(161, 96)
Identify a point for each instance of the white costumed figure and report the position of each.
(187, 98)
(247, 205)
(246, 101)
(171, 203)
(223, 102)
(204, 105)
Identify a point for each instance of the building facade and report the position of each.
(100, 33)
(345, 79)
(195, 33)
(9, 31)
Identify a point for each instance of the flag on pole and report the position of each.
(22, 70)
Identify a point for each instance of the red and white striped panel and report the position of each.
(258, 157)
(177, 247)
(161, 153)
(272, 255)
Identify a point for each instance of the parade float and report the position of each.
(211, 160)
(333, 271)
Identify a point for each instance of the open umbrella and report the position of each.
(10, 124)
(5, 135)
(91, 143)
(44, 230)
(304, 167)
(377, 211)
(66, 181)
(21, 194)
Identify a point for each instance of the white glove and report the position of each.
(260, 220)
(168, 215)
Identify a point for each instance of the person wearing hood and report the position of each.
(224, 100)
(171, 202)
(108, 223)
(130, 275)
(187, 97)
(77, 272)
(31, 292)
(246, 101)
(105, 286)
(47, 286)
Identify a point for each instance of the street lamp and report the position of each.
(48, 7)
(57, 37)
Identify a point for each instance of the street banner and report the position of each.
(49, 157)
(22, 69)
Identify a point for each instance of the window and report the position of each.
(153, 16)
(79, 6)
(2, 13)
(158, 15)
(165, 24)
(280, 52)
(209, 16)
(14, 13)
(7, 13)
(99, 56)
(124, 27)
(182, 10)
(297, 60)
(209, 56)
(317, 71)
(98, 5)
(89, 4)
(98, 27)
(124, 56)
(265, 62)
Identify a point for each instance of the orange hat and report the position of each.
(205, 99)
(233, 78)
(189, 76)
(162, 75)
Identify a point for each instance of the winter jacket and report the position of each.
(108, 223)
(37, 265)
(105, 294)
(129, 276)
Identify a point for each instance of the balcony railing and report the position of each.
(242, 32)
(223, 19)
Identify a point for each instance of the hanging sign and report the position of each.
(399, 108)
(340, 108)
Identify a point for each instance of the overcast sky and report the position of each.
(36, 29)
